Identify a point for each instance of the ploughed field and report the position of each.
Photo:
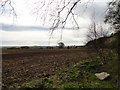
(21, 65)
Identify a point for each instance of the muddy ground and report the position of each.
(19, 66)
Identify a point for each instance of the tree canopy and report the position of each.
(113, 14)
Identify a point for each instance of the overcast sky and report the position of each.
(26, 30)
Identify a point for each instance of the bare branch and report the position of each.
(7, 3)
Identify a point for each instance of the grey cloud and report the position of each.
(8, 27)
(23, 42)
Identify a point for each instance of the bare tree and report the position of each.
(96, 31)
(4, 4)
(58, 12)
(95, 40)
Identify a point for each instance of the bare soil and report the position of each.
(19, 66)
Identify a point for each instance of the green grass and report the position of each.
(83, 77)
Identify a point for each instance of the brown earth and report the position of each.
(19, 66)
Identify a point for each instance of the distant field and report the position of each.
(21, 65)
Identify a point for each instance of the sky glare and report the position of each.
(26, 30)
